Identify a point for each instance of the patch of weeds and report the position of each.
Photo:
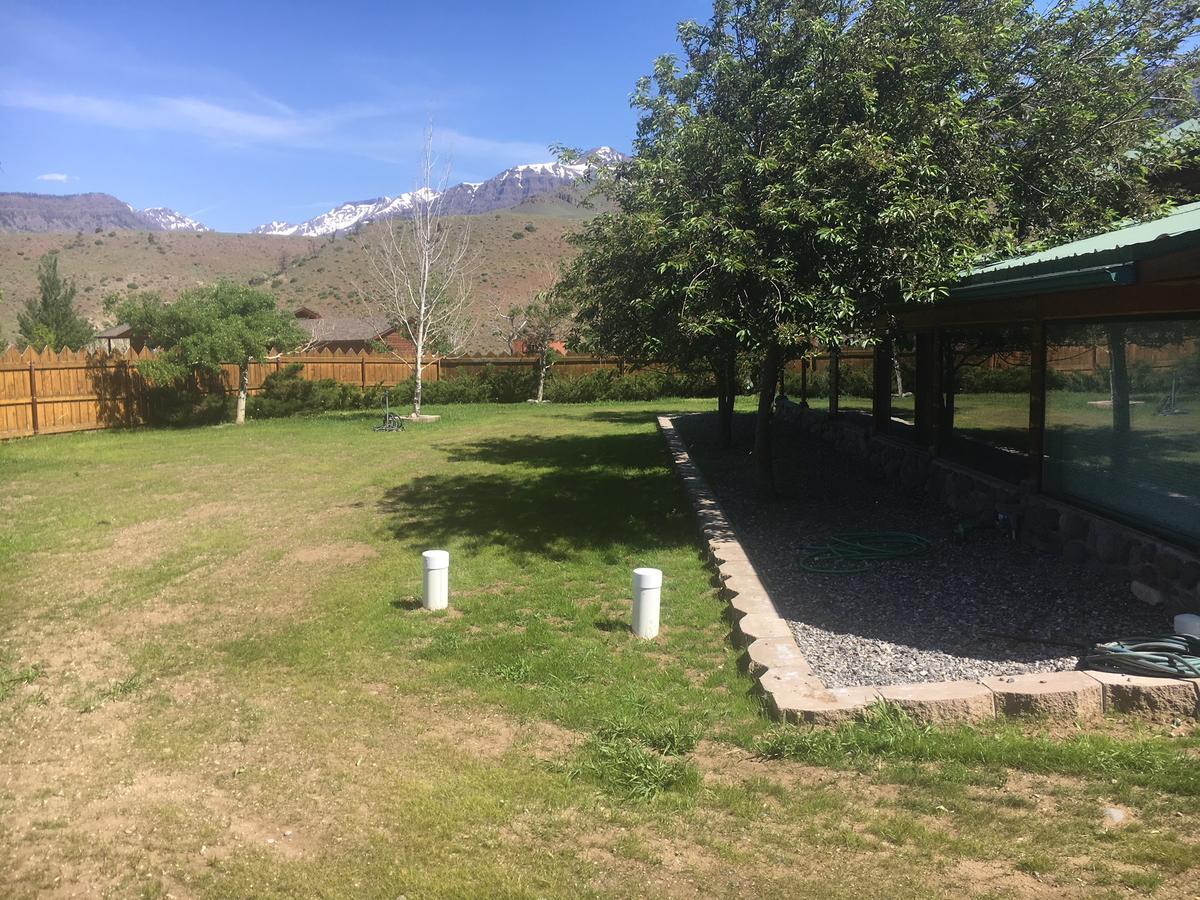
(116, 691)
(668, 738)
(1141, 881)
(887, 733)
(626, 768)
(1035, 864)
(516, 672)
(9, 681)
(903, 830)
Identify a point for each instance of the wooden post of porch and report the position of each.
(928, 402)
(1037, 401)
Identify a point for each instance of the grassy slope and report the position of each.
(318, 273)
(214, 680)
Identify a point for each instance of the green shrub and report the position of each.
(288, 393)
(855, 382)
(182, 407)
(606, 384)
(978, 380)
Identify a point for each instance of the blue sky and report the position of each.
(240, 113)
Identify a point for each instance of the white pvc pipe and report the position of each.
(437, 579)
(647, 594)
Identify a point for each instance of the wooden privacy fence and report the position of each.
(67, 390)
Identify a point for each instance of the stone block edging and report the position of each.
(795, 694)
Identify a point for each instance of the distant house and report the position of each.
(116, 338)
(335, 333)
(350, 334)
(521, 348)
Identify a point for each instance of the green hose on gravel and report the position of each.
(847, 553)
(1170, 656)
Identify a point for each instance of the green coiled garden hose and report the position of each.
(846, 553)
(1169, 656)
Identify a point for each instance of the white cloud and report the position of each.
(56, 176)
(361, 129)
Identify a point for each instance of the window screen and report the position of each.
(1123, 420)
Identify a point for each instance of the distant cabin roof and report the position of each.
(346, 329)
(116, 331)
(307, 312)
(1108, 258)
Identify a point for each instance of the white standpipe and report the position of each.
(437, 579)
(647, 594)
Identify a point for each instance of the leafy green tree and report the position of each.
(50, 319)
(627, 284)
(810, 161)
(547, 322)
(205, 327)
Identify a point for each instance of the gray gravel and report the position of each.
(973, 606)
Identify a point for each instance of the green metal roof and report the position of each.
(1107, 258)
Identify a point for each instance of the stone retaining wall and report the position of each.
(1160, 573)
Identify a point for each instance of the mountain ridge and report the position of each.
(29, 212)
(505, 190)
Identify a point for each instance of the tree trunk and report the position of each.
(804, 383)
(949, 390)
(243, 390)
(764, 468)
(542, 368)
(835, 378)
(420, 355)
(726, 396)
(899, 379)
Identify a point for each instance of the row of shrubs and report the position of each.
(854, 382)
(287, 392)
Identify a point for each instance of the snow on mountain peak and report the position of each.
(502, 191)
(169, 220)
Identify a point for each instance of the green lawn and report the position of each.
(215, 680)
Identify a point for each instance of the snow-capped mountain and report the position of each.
(169, 220)
(502, 191)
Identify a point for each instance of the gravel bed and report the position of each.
(975, 605)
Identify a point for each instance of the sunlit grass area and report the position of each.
(216, 679)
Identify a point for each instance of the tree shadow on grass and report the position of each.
(637, 451)
(553, 497)
(631, 417)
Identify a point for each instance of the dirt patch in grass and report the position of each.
(338, 553)
(993, 878)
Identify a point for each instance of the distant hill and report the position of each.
(515, 251)
(85, 212)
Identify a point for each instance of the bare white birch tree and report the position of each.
(419, 268)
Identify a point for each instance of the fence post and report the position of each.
(33, 404)
(363, 367)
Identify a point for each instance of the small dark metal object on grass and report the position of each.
(391, 421)
(846, 553)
